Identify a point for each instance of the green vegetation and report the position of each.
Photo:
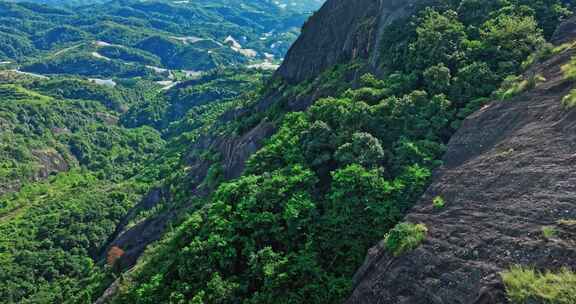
(405, 237)
(66, 181)
(76, 157)
(336, 177)
(167, 110)
(546, 52)
(67, 164)
(569, 70)
(525, 285)
(549, 232)
(49, 241)
(121, 38)
(569, 101)
(438, 202)
(513, 85)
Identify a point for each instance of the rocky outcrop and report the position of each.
(508, 172)
(341, 32)
(565, 32)
(233, 151)
(51, 162)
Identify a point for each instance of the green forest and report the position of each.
(128, 39)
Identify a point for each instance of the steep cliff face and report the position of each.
(507, 174)
(340, 32)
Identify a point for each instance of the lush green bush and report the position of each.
(49, 241)
(569, 70)
(549, 232)
(514, 85)
(405, 237)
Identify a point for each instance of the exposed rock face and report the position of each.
(508, 172)
(49, 162)
(565, 32)
(343, 30)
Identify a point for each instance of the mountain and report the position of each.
(341, 32)
(421, 127)
(77, 158)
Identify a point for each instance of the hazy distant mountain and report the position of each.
(297, 5)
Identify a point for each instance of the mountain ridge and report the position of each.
(239, 186)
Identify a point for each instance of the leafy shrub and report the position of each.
(569, 70)
(525, 285)
(437, 79)
(364, 149)
(544, 53)
(500, 36)
(549, 232)
(514, 85)
(405, 237)
(438, 202)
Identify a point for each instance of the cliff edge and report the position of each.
(340, 32)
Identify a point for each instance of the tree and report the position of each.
(440, 38)
(363, 149)
(472, 81)
(358, 209)
(318, 144)
(437, 79)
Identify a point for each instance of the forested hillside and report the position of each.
(156, 40)
(75, 158)
(128, 177)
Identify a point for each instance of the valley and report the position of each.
(287, 151)
(122, 38)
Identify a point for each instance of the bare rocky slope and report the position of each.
(508, 172)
